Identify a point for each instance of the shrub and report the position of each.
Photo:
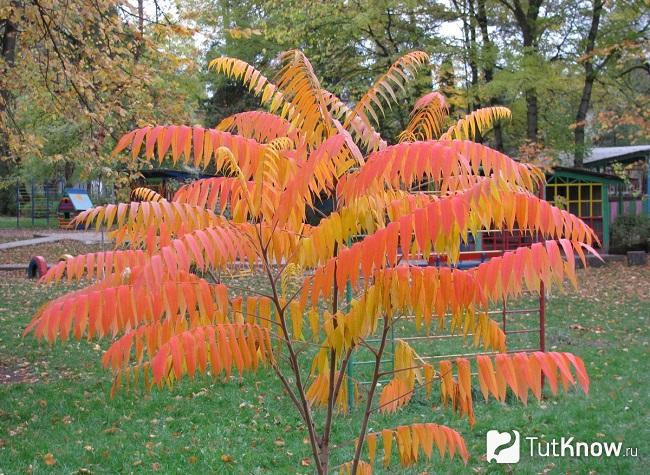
(630, 233)
(168, 315)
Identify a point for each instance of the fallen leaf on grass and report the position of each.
(225, 458)
(49, 459)
(597, 329)
(306, 462)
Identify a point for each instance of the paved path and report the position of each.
(87, 237)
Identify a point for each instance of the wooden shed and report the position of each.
(584, 193)
(633, 195)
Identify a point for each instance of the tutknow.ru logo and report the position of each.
(505, 447)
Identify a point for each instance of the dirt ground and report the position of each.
(50, 251)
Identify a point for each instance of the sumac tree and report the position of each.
(158, 296)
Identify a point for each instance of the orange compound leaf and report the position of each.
(465, 387)
(427, 118)
(420, 438)
(486, 376)
(371, 440)
(470, 126)
(214, 247)
(375, 247)
(219, 194)
(362, 131)
(328, 161)
(436, 162)
(255, 81)
(142, 193)
(522, 372)
(387, 436)
(398, 74)
(261, 126)
(318, 393)
(111, 308)
(300, 86)
(454, 391)
(136, 221)
(449, 164)
(180, 141)
(210, 345)
(96, 265)
(395, 395)
(426, 291)
(363, 468)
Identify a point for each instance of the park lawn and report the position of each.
(25, 222)
(57, 415)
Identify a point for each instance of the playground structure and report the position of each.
(71, 205)
(35, 202)
(50, 204)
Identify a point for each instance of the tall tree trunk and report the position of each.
(527, 20)
(8, 52)
(465, 11)
(140, 43)
(531, 114)
(9, 42)
(472, 49)
(590, 77)
(489, 59)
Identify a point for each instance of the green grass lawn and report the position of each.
(61, 405)
(25, 222)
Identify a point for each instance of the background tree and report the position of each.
(77, 74)
(590, 77)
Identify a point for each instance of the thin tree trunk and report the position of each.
(531, 114)
(527, 20)
(473, 48)
(140, 46)
(590, 77)
(488, 66)
(371, 393)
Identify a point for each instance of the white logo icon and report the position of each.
(503, 446)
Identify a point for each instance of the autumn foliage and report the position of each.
(160, 300)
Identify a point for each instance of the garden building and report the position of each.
(584, 193)
(632, 162)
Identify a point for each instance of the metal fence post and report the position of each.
(33, 203)
(348, 301)
(542, 317)
(47, 204)
(542, 321)
(17, 206)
